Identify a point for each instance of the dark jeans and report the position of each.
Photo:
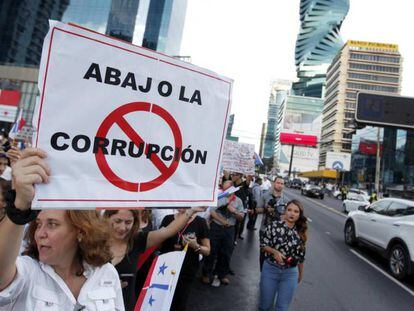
(221, 247)
(239, 227)
(252, 221)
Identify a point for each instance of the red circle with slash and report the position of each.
(117, 117)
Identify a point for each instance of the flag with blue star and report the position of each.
(159, 287)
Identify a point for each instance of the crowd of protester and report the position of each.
(96, 260)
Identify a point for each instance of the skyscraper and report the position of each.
(24, 24)
(317, 43)
(278, 92)
(165, 25)
(359, 66)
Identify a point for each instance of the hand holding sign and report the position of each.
(30, 169)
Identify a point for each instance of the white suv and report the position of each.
(387, 226)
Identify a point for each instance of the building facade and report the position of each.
(358, 66)
(24, 24)
(396, 164)
(317, 43)
(279, 89)
(299, 115)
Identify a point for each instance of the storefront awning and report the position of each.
(320, 174)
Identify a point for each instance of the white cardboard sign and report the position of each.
(238, 157)
(124, 126)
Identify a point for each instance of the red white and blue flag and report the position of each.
(159, 287)
(17, 126)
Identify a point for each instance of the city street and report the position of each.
(336, 277)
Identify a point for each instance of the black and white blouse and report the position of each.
(286, 240)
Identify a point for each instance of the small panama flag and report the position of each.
(159, 287)
(18, 125)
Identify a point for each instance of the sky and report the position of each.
(253, 42)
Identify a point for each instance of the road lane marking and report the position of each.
(310, 220)
(328, 233)
(326, 207)
(383, 272)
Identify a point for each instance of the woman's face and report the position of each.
(121, 224)
(56, 238)
(292, 213)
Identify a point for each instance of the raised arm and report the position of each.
(30, 169)
(158, 236)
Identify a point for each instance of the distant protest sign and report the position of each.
(238, 157)
(124, 126)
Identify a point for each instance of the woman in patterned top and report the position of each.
(284, 245)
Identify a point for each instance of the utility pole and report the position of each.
(291, 160)
(378, 164)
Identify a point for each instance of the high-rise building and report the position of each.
(359, 66)
(317, 43)
(278, 91)
(165, 25)
(300, 115)
(24, 24)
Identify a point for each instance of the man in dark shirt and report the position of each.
(243, 194)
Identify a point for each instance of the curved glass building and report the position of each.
(317, 44)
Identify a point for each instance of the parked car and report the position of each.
(354, 193)
(352, 204)
(295, 183)
(351, 194)
(386, 226)
(312, 191)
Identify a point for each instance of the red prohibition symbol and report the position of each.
(117, 117)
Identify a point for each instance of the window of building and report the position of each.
(351, 95)
(346, 146)
(376, 58)
(370, 67)
(372, 87)
(370, 77)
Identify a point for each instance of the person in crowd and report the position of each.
(5, 170)
(256, 194)
(145, 220)
(284, 246)
(272, 207)
(266, 185)
(67, 260)
(196, 234)
(243, 193)
(222, 229)
(5, 187)
(226, 176)
(128, 244)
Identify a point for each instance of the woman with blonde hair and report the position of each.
(66, 263)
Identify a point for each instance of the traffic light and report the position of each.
(385, 110)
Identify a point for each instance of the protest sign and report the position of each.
(238, 157)
(124, 126)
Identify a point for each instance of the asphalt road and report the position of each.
(336, 276)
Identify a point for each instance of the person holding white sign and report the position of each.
(67, 264)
